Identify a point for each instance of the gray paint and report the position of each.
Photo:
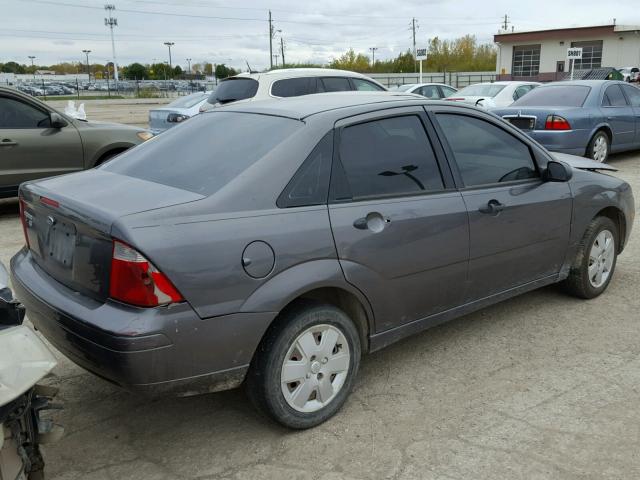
(423, 260)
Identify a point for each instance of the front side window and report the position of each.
(526, 60)
(365, 85)
(294, 87)
(392, 156)
(591, 55)
(486, 154)
(15, 114)
(613, 97)
(336, 84)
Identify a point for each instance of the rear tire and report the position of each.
(599, 147)
(305, 366)
(595, 260)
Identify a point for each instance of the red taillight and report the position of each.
(453, 99)
(23, 220)
(49, 202)
(136, 281)
(556, 122)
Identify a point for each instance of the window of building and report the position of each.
(591, 55)
(526, 60)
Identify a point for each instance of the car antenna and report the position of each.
(251, 70)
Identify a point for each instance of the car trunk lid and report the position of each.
(68, 222)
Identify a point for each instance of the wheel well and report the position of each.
(110, 153)
(345, 301)
(606, 130)
(617, 217)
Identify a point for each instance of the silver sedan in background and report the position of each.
(181, 109)
(433, 91)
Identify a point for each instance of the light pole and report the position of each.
(112, 22)
(373, 56)
(170, 44)
(189, 62)
(32, 57)
(87, 52)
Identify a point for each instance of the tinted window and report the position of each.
(521, 91)
(211, 151)
(429, 91)
(16, 114)
(294, 87)
(233, 89)
(387, 157)
(336, 84)
(633, 94)
(613, 97)
(555, 96)
(365, 85)
(480, 90)
(188, 101)
(310, 184)
(485, 153)
(448, 91)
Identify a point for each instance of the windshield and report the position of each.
(555, 96)
(188, 101)
(234, 88)
(212, 150)
(401, 88)
(481, 90)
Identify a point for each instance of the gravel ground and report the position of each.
(541, 386)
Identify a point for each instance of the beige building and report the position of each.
(542, 55)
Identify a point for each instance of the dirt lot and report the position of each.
(542, 386)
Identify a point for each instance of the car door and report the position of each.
(620, 117)
(30, 148)
(633, 95)
(518, 224)
(400, 227)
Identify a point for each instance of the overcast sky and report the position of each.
(230, 31)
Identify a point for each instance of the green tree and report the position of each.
(222, 71)
(177, 71)
(351, 60)
(135, 71)
(13, 67)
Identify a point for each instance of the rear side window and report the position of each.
(233, 89)
(486, 154)
(365, 85)
(633, 94)
(447, 91)
(294, 87)
(392, 156)
(613, 97)
(336, 84)
(521, 91)
(429, 91)
(211, 151)
(555, 96)
(310, 184)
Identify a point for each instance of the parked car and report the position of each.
(630, 74)
(324, 227)
(432, 91)
(493, 95)
(167, 116)
(288, 82)
(584, 117)
(31, 90)
(38, 141)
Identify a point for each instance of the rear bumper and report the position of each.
(158, 350)
(573, 142)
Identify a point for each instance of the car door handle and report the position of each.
(373, 221)
(493, 207)
(6, 142)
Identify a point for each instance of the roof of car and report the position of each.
(588, 83)
(305, 106)
(302, 72)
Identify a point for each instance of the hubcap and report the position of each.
(315, 368)
(601, 258)
(600, 149)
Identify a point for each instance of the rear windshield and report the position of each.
(205, 153)
(555, 96)
(188, 101)
(233, 89)
(488, 90)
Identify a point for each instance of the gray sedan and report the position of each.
(585, 117)
(273, 243)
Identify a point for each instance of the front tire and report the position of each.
(305, 366)
(595, 260)
(599, 147)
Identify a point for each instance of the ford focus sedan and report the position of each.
(295, 235)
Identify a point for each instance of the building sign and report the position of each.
(421, 53)
(574, 53)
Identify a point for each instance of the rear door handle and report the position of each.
(494, 207)
(6, 142)
(374, 221)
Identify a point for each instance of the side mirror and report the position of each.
(57, 121)
(11, 312)
(557, 172)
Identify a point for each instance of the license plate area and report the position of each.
(59, 242)
(523, 123)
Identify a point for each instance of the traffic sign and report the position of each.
(421, 53)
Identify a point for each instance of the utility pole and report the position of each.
(87, 52)
(505, 25)
(282, 50)
(270, 40)
(276, 59)
(112, 22)
(32, 57)
(189, 62)
(373, 56)
(170, 44)
(414, 26)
